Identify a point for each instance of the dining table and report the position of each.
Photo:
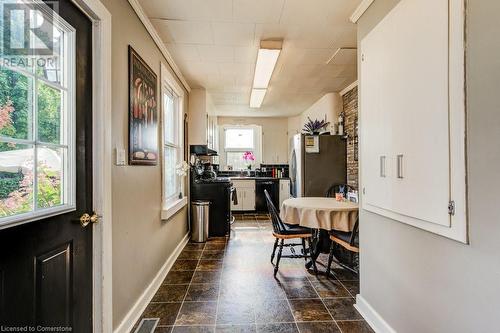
(322, 215)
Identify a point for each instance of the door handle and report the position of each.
(382, 166)
(86, 218)
(400, 166)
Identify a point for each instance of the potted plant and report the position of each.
(249, 157)
(314, 127)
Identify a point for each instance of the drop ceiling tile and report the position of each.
(201, 69)
(246, 54)
(306, 56)
(190, 32)
(236, 69)
(299, 12)
(235, 34)
(349, 71)
(344, 57)
(340, 10)
(257, 11)
(216, 53)
(189, 9)
(161, 27)
(183, 52)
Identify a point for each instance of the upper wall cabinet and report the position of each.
(412, 117)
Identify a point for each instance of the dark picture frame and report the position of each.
(143, 112)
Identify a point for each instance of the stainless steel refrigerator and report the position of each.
(312, 173)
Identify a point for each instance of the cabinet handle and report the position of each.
(382, 166)
(400, 166)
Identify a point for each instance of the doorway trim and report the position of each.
(102, 307)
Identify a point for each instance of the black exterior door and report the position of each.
(46, 265)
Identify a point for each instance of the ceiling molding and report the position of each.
(348, 88)
(363, 6)
(158, 41)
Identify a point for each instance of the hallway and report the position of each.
(228, 286)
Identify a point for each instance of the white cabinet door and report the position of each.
(249, 203)
(245, 190)
(284, 190)
(411, 109)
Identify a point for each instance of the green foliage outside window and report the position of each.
(16, 188)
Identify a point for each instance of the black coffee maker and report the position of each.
(204, 163)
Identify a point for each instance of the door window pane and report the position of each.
(15, 104)
(49, 114)
(16, 179)
(239, 138)
(50, 163)
(36, 127)
(49, 68)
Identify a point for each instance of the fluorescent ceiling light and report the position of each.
(267, 57)
(266, 61)
(257, 97)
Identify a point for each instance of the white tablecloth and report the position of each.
(320, 213)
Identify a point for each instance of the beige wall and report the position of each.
(197, 117)
(274, 136)
(421, 282)
(329, 106)
(141, 241)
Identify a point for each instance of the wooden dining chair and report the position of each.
(282, 232)
(339, 188)
(349, 241)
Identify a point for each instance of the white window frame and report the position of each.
(169, 84)
(257, 142)
(68, 127)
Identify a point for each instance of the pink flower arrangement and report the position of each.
(248, 156)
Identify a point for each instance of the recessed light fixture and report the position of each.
(267, 57)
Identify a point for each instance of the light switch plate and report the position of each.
(120, 156)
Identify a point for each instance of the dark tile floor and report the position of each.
(228, 286)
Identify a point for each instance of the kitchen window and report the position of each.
(174, 197)
(238, 140)
(37, 125)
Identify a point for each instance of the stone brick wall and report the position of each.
(350, 107)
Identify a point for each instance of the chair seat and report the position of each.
(345, 236)
(290, 229)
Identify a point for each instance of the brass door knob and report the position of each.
(85, 219)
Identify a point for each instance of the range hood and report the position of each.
(202, 150)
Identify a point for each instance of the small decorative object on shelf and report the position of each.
(314, 127)
(341, 123)
(249, 158)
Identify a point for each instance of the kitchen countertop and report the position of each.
(257, 178)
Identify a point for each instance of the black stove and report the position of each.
(219, 192)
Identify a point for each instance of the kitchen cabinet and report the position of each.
(212, 133)
(412, 117)
(245, 190)
(284, 190)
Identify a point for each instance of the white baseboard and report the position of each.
(140, 305)
(372, 317)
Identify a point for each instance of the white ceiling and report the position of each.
(215, 44)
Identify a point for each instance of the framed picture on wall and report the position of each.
(143, 112)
